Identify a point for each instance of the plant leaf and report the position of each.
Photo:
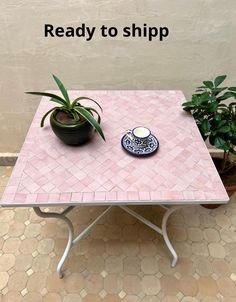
(232, 89)
(212, 106)
(220, 143)
(205, 126)
(62, 88)
(226, 96)
(92, 109)
(85, 98)
(54, 97)
(219, 80)
(88, 116)
(208, 84)
(224, 129)
(46, 114)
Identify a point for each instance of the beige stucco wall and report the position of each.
(201, 45)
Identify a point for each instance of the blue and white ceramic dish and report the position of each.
(129, 145)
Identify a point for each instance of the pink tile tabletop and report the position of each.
(48, 172)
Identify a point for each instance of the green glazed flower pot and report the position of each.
(75, 134)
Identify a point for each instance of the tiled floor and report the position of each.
(121, 260)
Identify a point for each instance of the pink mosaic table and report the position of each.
(181, 173)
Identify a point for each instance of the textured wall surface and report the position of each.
(201, 44)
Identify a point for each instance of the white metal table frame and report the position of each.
(73, 240)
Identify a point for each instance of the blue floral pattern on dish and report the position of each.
(129, 145)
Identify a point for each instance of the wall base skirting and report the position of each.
(8, 159)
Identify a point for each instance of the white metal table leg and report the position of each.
(162, 230)
(70, 233)
(167, 214)
(71, 241)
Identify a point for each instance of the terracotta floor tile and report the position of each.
(94, 284)
(74, 283)
(96, 247)
(11, 245)
(4, 277)
(195, 234)
(216, 250)
(170, 299)
(221, 267)
(111, 298)
(52, 297)
(113, 232)
(207, 286)
(113, 283)
(92, 298)
(169, 285)
(149, 265)
(55, 284)
(190, 299)
(32, 230)
(185, 267)
(17, 281)
(150, 285)
(188, 286)
(132, 284)
(132, 265)
(131, 298)
(45, 246)
(7, 261)
(41, 263)
(12, 296)
(37, 282)
(131, 248)
(4, 228)
(95, 264)
(211, 235)
(210, 299)
(32, 296)
(151, 299)
(114, 264)
(16, 229)
(148, 248)
(28, 245)
(114, 247)
(203, 266)
(177, 233)
(226, 287)
(77, 263)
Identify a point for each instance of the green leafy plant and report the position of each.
(74, 109)
(215, 119)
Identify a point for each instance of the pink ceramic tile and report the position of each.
(65, 197)
(122, 196)
(144, 195)
(111, 195)
(100, 195)
(76, 197)
(42, 198)
(132, 195)
(49, 172)
(88, 196)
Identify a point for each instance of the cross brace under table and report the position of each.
(72, 241)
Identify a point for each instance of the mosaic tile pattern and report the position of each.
(122, 259)
(48, 172)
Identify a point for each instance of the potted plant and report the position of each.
(216, 121)
(72, 122)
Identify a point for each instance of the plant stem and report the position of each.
(224, 162)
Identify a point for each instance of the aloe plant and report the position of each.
(73, 108)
